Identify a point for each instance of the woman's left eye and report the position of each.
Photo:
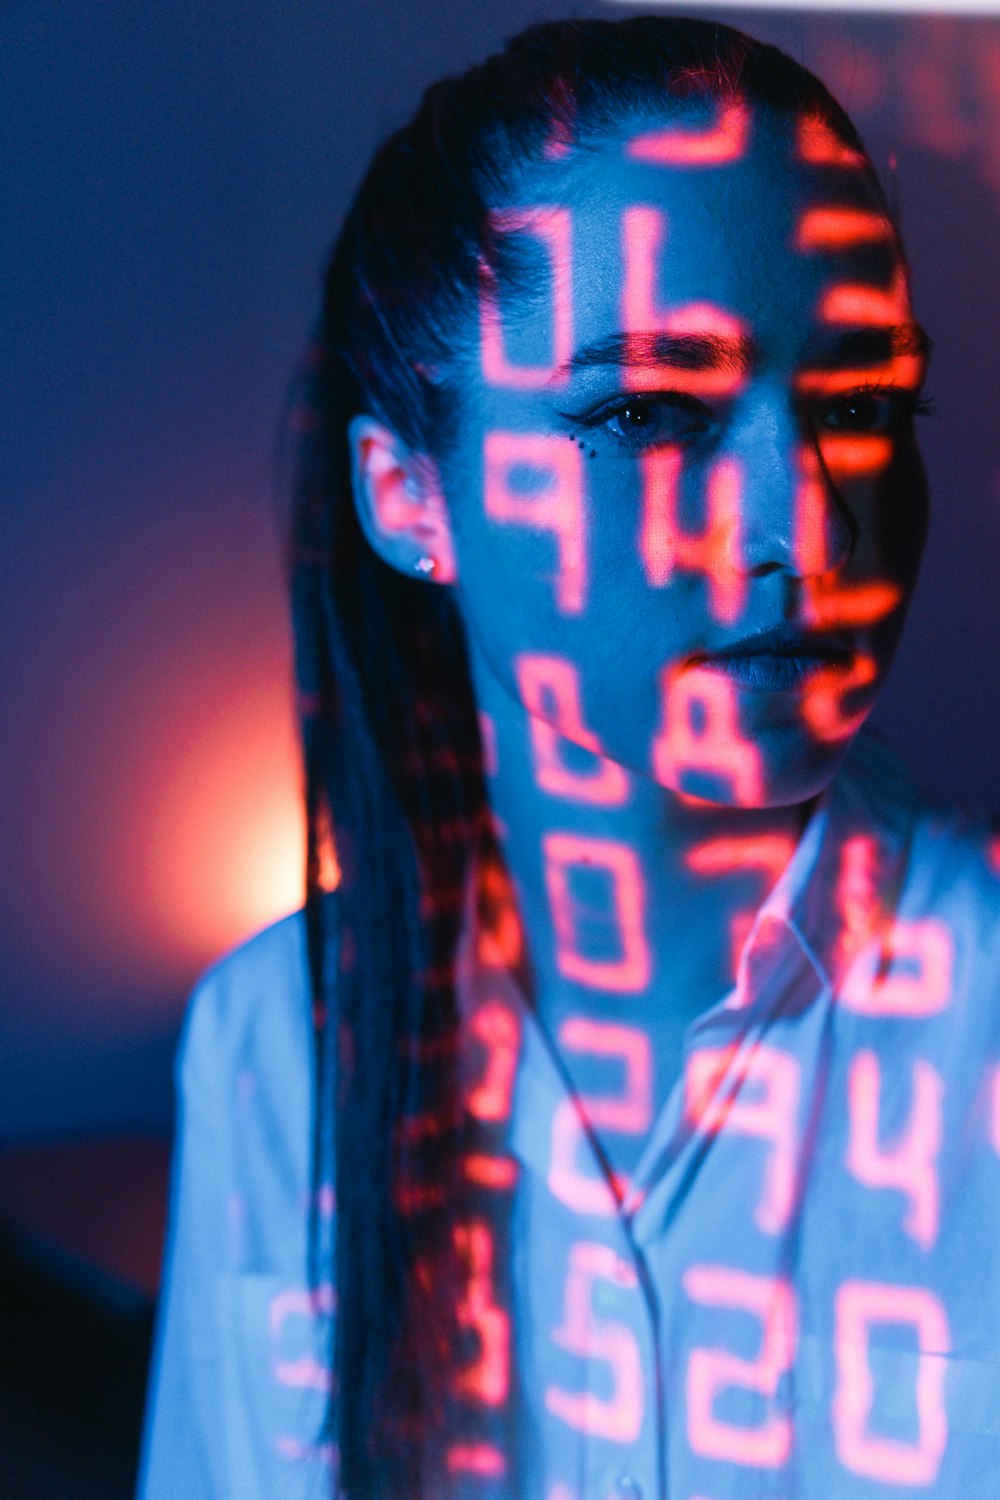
(877, 410)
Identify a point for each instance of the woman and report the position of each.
(644, 1102)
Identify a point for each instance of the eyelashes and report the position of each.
(654, 418)
(660, 417)
(879, 409)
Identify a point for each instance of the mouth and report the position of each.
(778, 660)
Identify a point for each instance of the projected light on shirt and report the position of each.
(696, 1316)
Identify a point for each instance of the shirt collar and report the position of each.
(843, 882)
(840, 888)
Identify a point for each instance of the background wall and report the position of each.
(172, 175)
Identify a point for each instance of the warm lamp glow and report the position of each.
(226, 838)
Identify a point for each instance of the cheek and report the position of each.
(567, 621)
(555, 590)
(886, 508)
(548, 540)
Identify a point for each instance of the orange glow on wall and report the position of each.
(224, 851)
(496, 1030)
(487, 1378)
(482, 1459)
(497, 1173)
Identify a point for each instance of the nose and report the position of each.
(793, 518)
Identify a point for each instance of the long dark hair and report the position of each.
(393, 760)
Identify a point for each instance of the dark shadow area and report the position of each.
(72, 1377)
(81, 1229)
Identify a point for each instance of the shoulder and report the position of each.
(230, 1323)
(246, 1089)
(248, 1023)
(939, 866)
(254, 989)
(954, 876)
(947, 913)
(954, 858)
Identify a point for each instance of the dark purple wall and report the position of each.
(171, 178)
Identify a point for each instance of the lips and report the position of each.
(783, 657)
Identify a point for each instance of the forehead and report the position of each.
(744, 219)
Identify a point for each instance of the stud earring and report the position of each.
(426, 565)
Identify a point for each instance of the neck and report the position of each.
(633, 901)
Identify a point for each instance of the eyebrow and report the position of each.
(874, 344)
(685, 351)
(710, 351)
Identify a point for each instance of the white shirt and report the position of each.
(798, 1299)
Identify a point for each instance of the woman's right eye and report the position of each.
(645, 421)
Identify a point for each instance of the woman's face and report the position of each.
(685, 491)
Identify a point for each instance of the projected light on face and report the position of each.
(688, 511)
(689, 427)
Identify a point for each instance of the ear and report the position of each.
(399, 502)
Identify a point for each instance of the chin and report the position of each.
(784, 771)
(799, 772)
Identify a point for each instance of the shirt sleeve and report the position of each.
(182, 1451)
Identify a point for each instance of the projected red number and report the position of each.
(619, 1416)
(552, 226)
(624, 912)
(910, 1165)
(701, 734)
(547, 498)
(757, 1095)
(711, 1371)
(303, 1372)
(860, 1307)
(908, 973)
(631, 1110)
(550, 688)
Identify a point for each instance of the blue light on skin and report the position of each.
(730, 243)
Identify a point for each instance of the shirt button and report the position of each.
(625, 1487)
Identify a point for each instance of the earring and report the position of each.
(426, 565)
